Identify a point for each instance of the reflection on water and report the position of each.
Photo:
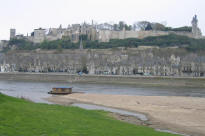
(35, 91)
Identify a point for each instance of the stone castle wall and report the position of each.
(106, 35)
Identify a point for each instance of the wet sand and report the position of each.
(184, 115)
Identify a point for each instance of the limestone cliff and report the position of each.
(119, 61)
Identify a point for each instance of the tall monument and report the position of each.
(195, 29)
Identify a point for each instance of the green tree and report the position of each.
(121, 25)
(142, 25)
(148, 28)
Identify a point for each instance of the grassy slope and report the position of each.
(21, 118)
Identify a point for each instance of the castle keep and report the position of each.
(99, 32)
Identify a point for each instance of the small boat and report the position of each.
(61, 90)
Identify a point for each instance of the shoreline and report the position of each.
(152, 81)
(164, 121)
(118, 116)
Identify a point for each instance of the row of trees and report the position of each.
(147, 26)
(121, 25)
(161, 41)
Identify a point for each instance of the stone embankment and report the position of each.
(106, 79)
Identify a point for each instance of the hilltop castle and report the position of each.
(99, 32)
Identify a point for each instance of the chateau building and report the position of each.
(100, 32)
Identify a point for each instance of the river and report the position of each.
(36, 91)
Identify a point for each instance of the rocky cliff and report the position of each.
(118, 61)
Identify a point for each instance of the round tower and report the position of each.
(195, 30)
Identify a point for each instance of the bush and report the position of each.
(22, 44)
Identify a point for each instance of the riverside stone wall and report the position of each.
(119, 61)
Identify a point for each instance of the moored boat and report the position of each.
(61, 90)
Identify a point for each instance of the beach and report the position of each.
(185, 115)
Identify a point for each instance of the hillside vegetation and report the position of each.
(161, 41)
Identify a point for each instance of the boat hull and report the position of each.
(60, 91)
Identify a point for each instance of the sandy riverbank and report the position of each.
(180, 114)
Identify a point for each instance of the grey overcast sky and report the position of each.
(26, 15)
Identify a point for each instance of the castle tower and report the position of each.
(12, 33)
(39, 35)
(195, 30)
(194, 23)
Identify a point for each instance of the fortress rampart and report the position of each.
(106, 36)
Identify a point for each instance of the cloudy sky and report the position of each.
(26, 15)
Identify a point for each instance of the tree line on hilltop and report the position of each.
(147, 26)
